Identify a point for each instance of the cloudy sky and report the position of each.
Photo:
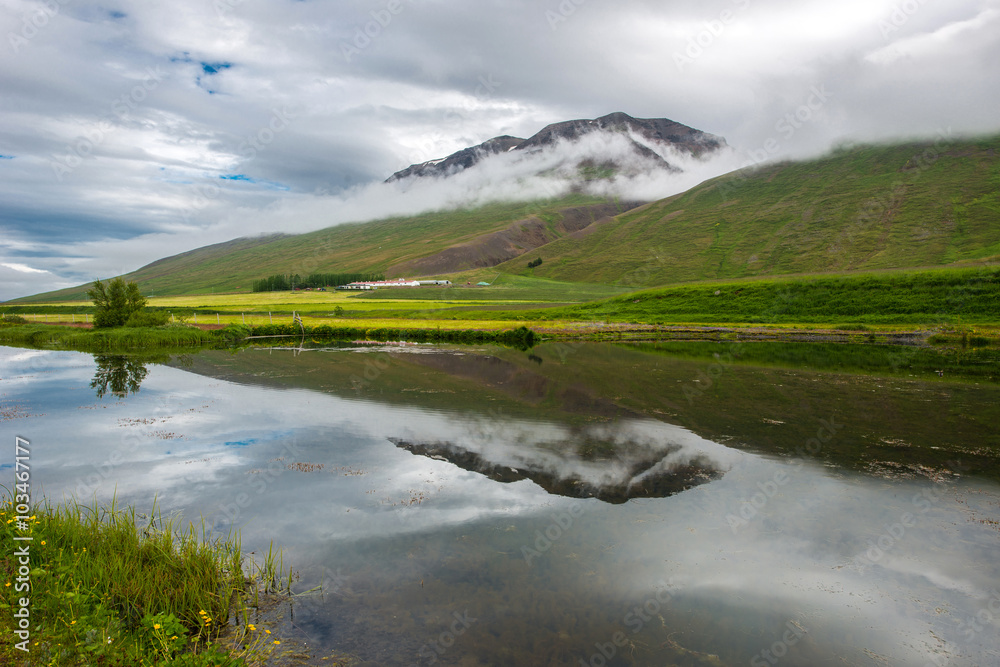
(134, 130)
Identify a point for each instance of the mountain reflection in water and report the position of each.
(589, 465)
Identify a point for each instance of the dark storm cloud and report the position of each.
(122, 119)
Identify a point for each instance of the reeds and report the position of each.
(136, 589)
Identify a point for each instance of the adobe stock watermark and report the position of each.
(874, 209)
(706, 378)
(251, 146)
(767, 490)
(224, 7)
(433, 650)
(332, 582)
(544, 539)
(121, 107)
(786, 127)
(634, 620)
(229, 513)
(899, 16)
(988, 615)
(486, 87)
(563, 11)
(698, 43)
(895, 532)
(130, 441)
(641, 275)
(21, 506)
(970, 626)
(34, 22)
(366, 34)
(795, 633)
(790, 123)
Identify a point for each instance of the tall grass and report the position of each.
(109, 587)
(105, 340)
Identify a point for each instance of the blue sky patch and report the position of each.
(6, 157)
(214, 68)
(270, 185)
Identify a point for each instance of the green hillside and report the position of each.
(867, 207)
(861, 208)
(929, 297)
(357, 247)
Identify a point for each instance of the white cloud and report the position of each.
(437, 78)
(23, 268)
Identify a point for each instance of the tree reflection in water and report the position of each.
(118, 373)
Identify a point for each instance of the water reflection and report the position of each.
(594, 465)
(118, 373)
(480, 484)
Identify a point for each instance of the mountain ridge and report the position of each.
(862, 208)
(653, 132)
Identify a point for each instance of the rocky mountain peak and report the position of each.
(646, 136)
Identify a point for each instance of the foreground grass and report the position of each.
(104, 591)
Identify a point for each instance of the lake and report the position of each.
(572, 504)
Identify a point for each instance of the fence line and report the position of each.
(55, 317)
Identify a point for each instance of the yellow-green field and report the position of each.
(304, 302)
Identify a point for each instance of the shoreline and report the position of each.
(83, 337)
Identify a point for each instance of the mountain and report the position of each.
(915, 204)
(360, 247)
(456, 162)
(647, 139)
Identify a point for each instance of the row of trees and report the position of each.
(283, 282)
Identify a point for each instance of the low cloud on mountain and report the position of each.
(132, 130)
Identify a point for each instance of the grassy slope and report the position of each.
(864, 208)
(870, 207)
(370, 246)
(929, 297)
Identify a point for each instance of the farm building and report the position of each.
(381, 284)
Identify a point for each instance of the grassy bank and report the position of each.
(105, 340)
(104, 590)
(179, 337)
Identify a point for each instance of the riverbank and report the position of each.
(104, 585)
(180, 337)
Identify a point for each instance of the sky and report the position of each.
(130, 131)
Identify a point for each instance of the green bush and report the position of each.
(235, 332)
(147, 318)
(115, 302)
(12, 320)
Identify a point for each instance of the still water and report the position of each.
(587, 504)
